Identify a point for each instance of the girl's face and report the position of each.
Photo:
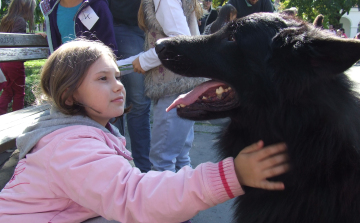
(101, 92)
(233, 16)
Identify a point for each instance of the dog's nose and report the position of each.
(160, 45)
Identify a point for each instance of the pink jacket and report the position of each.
(79, 172)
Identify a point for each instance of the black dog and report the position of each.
(286, 85)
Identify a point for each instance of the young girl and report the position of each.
(19, 12)
(227, 13)
(74, 166)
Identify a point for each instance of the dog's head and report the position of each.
(261, 58)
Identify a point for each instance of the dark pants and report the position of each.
(14, 87)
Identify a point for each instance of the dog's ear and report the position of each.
(326, 54)
(334, 55)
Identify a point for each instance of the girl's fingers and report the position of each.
(253, 147)
(274, 160)
(277, 170)
(271, 150)
(268, 185)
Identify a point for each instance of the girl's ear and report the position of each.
(69, 101)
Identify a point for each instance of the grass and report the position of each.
(32, 72)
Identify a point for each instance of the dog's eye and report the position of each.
(231, 38)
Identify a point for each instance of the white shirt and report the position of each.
(171, 17)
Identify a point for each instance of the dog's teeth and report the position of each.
(182, 105)
(229, 88)
(220, 90)
(204, 98)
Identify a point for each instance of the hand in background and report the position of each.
(137, 66)
(254, 164)
(41, 34)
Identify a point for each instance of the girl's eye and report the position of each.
(118, 78)
(103, 78)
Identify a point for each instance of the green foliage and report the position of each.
(38, 16)
(332, 10)
(3, 9)
(217, 3)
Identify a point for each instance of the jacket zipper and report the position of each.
(85, 3)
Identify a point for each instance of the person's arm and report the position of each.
(171, 17)
(91, 174)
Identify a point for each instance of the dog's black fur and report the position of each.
(290, 87)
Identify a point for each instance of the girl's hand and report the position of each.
(254, 164)
(137, 66)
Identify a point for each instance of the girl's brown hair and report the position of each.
(66, 68)
(18, 9)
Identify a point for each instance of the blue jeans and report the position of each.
(130, 41)
(171, 137)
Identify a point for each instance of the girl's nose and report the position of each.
(118, 86)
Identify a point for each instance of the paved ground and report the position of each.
(202, 151)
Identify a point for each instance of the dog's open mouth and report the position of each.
(212, 96)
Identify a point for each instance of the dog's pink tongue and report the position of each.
(192, 96)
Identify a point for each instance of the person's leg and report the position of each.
(5, 98)
(184, 159)
(130, 41)
(7, 94)
(170, 134)
(18, 86)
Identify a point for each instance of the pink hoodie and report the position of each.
(79, 172)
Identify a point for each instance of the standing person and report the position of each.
(74, 165)
(247, 7)
(67, 19)
(209, 15)
(331, 30)
(343, 34)
(357, 36)
(227, 13)
(130, 41)
(14, 21)
(171, 136)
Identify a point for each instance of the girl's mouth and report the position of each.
(118, 99)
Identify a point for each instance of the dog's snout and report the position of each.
(160, 45)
